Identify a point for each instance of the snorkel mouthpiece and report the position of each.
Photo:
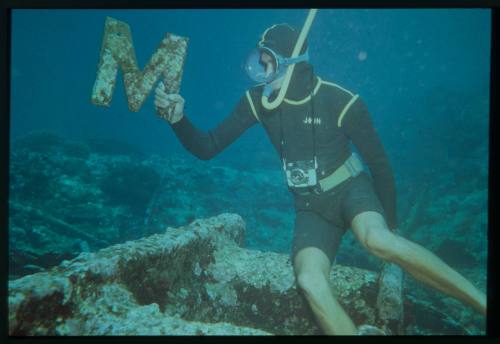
(268, 90)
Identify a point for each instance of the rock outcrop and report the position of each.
(190, 280)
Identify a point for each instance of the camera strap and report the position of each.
(282, 140)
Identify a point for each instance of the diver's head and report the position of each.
(281, 38)
(269, 63)
(269, 60)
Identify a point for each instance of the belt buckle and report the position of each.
(349, 167)
(317, 189)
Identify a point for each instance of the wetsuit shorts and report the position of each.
(321, 220)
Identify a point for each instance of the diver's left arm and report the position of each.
(358, 125)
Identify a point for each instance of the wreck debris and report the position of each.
(198, 273)
(198, 279)
(58, 225)
(117, 50)
(390, 298)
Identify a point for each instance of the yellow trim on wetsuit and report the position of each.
(344, 111)
(335, 85)
(306, 99)
(252, 106)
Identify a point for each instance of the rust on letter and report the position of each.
(118, 50)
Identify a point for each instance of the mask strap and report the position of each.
(292, 60)
(283, 62)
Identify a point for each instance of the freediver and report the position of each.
(311, 130)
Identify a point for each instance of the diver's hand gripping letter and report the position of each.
(168, 106)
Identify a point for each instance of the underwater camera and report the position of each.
(301, 173)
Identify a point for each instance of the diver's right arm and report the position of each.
(204, 145)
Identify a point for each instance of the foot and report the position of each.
(369, 330)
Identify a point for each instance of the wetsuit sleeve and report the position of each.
(206, 145)
(359, 127)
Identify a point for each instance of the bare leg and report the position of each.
(312, 268)
(428, 268)
(371, 229)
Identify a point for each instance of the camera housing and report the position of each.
(301, 173)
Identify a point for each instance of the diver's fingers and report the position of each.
(161, 102)
(161, 96)
(161, 105)
(176, 98)
(159, 91)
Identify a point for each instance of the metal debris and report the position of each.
(117, 50)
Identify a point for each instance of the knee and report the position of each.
(312, 283)
(381, 242)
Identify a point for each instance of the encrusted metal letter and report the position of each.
(118, 50)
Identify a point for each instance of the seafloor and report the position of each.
(70, 197)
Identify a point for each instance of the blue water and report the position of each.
(424, 75)
(408, 54)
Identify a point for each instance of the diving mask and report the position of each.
(256, 68)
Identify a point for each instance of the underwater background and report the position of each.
(84, 177)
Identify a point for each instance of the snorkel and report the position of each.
(290, 67)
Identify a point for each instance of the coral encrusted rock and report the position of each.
(191, 280)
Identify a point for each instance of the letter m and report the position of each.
(117, 50)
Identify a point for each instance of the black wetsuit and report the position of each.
(340, 117)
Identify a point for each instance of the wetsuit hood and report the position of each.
(281, 38)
